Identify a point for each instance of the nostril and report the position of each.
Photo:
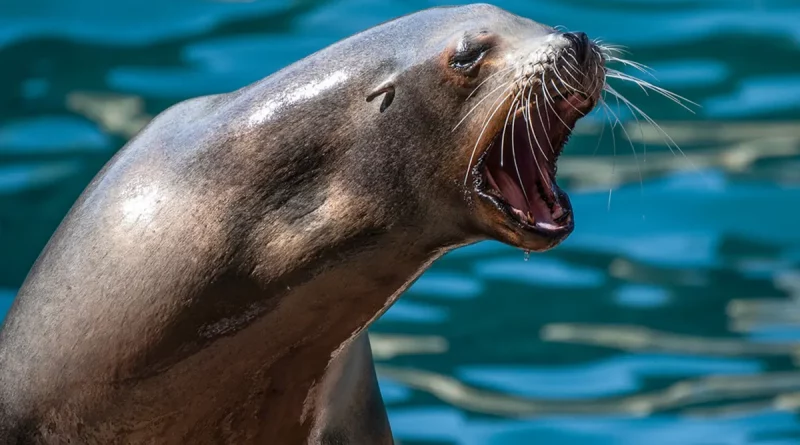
(580, 42)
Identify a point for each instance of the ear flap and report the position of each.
(387, 89)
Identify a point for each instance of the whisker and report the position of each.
(613, 135)
(557, 72)
(614, 158)
(477, 88)
(568, 102)
(577, 64)
(641, 131)
(627, 136)
(547, 98)
(514, 152)
(597, 83)
(570, 86)
(602, 131)
(569, 72)
(539, 113)
(616, 74)
(668, 139)
(558, 115)
(503, 137)
(613, 76)
(480, 102)
(485, 126)
(526, 115)
(530, 125)
(611, 49)
(636, 65)
(644, 84)
(598, 80)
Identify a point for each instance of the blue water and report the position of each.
(686, 275)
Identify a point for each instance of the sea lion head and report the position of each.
(495, 98)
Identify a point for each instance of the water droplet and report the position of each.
(527, 254)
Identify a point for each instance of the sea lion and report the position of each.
(213, 282)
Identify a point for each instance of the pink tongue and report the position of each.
(513, 194)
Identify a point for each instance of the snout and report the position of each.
(581, 44)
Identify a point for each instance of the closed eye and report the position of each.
(468, 53)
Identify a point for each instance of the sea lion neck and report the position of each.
(330, 296)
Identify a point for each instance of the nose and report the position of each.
(580, 41)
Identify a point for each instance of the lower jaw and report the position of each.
(551, 212)
(538, 236)
(553, 219)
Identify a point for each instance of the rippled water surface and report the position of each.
(671, 316)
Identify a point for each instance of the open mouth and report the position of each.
(518, 171)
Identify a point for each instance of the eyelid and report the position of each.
(470, 52)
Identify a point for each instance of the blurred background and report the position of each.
(672, 314)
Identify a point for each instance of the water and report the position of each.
(671, 316)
